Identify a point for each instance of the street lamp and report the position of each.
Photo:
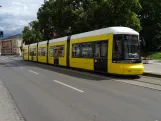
(1, 32)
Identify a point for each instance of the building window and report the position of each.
(42, 51)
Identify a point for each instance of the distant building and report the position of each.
(0, 46)
(11, 45)
(6, 47)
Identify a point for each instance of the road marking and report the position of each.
(69, 86)
(33, 72)
(3, 59)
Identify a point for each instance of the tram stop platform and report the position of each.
(153, 69)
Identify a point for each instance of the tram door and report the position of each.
(56, 57)
(31, 54)
(32, 58)
(100, 56)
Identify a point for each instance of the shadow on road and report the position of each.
(93, 76)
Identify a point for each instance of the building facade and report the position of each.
(11, 45)
(0, 46)
(16, 44)
(6, 48)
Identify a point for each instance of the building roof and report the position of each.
(13, 36)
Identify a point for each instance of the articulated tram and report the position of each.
(112, 50)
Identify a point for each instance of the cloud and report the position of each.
(14, 15)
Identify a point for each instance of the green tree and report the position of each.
(150, 17)
(106, 13)
(53, 18)
(31, 33)
(71, 17)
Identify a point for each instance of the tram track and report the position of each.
(150, 82)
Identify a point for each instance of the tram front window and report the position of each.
(131, 47)
(126, 47)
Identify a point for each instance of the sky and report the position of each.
(15, 14)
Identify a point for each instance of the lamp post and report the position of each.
(1, 32)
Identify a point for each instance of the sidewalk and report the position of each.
(8, 110)
(153, 70)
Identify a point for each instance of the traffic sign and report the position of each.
(1, 33)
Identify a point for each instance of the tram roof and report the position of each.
(109, 30)
(33, 44)
(58, 39)
(43, 42)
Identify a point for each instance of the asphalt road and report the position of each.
(47, 93)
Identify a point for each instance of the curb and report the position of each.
(15, 107)
(152, 74)
(157, 61)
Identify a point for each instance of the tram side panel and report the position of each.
(57, 53)
(42, 52)
(33, 53)
(25, 53)
(90, 53)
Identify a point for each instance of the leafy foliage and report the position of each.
(67, 17)
(71, 17)
(150, 17)
(31, 33)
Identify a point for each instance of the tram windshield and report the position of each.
(126, 47)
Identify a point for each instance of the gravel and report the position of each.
(8, 109)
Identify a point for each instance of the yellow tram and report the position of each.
(33, 52)
(112, 50)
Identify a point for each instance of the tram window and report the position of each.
(51, 52)
(76, 50)
(25, 52)
(61, 51)
(31, 52)
(104, 49)
(87, 50)
(117, 48)
(42, 51)
(97, 50)
(57, 51)
(34, 53)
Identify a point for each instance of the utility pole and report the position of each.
(1, 32)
